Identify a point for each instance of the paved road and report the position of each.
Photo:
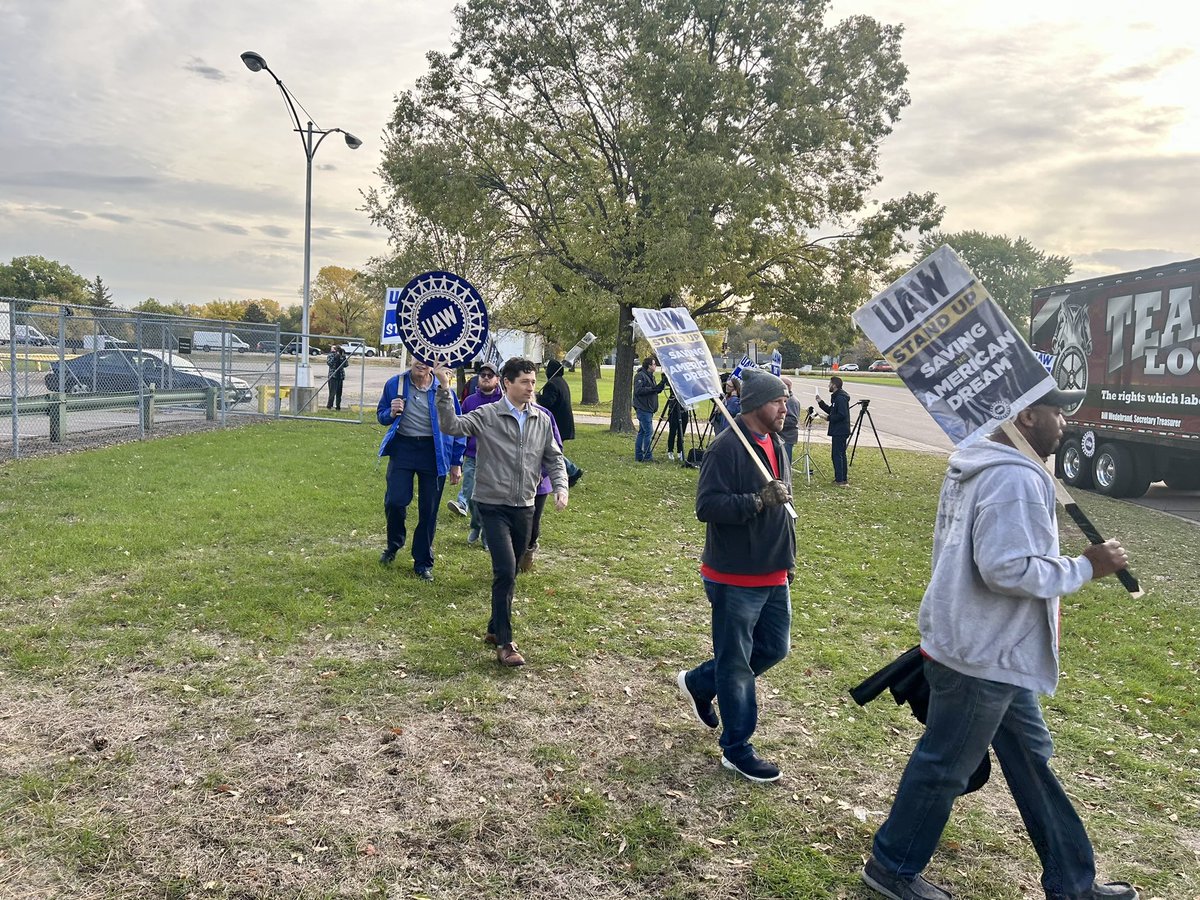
(903, 424)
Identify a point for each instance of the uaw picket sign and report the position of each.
(438, 316)
(954, 348)
(682, 351)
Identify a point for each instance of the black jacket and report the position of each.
(905, 678)
(740, 540)
(646, 390)
(555, 395)
(838, 411)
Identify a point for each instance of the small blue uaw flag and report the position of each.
(746, 363)
(776, 363)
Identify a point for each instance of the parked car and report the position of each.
(358, 349)
(849, 367)
(880, 365)
(293, 348)
(267, 347)
(116, 371)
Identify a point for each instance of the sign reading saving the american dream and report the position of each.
(438, 316)
(954, 348)
(682, 352)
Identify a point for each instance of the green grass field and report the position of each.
(210, 688)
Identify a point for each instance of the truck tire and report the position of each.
(1076, 470)
(1183, 476)
(1117, 473)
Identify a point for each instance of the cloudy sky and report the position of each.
(135, 145)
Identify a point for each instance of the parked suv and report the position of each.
(293, 348)
(118, 371)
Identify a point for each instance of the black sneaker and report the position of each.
(387, 557)
(753, 767)
(1112, 890)
(882, 881)
(424, 574)
(701, 710)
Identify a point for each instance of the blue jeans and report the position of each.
(467, 490)
(751, 631)
(641, 448)
(966, 715)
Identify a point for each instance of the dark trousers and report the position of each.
(335, 393)
(966, 715)
(676, 425)
(412, 460)
(838, 451)
(507, 531)
(535, 528)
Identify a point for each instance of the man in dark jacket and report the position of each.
(645, 405)
(555, 396)
(838, 412)
(749, 559)
(337, 362)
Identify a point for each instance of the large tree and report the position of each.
(342, 304)
(1009, 269)
(42, 280)
(711, 154)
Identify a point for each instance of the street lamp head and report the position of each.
(253, 61)
(351, 141)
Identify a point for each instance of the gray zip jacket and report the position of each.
(991, 609)
(509, 460)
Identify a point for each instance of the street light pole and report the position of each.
(255, 63)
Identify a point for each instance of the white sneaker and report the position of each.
(670, 455)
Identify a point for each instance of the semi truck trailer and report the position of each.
(1131, 341)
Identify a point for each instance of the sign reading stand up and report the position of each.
(954, 347)
(438, 316)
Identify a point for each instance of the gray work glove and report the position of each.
(775, 493)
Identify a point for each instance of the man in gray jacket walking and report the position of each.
(515, 443)
(989, 635)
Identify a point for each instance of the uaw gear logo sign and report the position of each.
(438, 316)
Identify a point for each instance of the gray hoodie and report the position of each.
(991, 608)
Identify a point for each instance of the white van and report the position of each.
(27, 334)
(218, 340)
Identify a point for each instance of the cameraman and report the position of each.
(837, 410)
(645, 404)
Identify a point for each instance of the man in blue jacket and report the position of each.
(416, 449)
(837, 410)
(748, 561)
(989, 634)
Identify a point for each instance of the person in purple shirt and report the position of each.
(544, 490)
(488, 391)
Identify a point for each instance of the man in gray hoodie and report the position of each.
(989, 635)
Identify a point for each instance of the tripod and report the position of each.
(857, 430)
(810, 467)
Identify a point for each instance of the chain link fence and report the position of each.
(80, 376)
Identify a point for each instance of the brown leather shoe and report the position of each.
(508, 656)
(525, 563)
(489, 638)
